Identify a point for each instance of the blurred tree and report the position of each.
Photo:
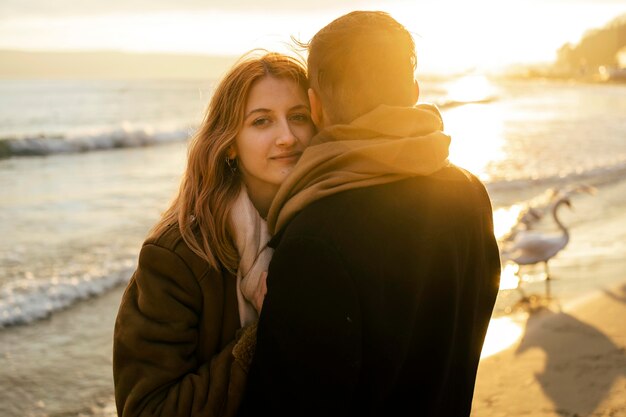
(598, 47)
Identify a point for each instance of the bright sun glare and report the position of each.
(451, 35)
(502, 333)
(477, 131)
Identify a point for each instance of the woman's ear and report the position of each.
(317, 111)
(231, 153)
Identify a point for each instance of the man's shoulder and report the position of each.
(451, 190)
(457, 174)
(450, 182)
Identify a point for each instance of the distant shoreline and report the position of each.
(550, 74)
(88, 65)
(554, 78)
(19, 65)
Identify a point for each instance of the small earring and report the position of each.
(232, 164)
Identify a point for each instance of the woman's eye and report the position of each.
(261, 121)
(300, 117)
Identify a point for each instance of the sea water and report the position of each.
(86, 168)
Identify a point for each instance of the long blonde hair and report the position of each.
(209, 187)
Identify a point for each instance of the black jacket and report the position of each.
(378, 302)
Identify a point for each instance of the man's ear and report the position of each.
(416, 91)
(317, 111)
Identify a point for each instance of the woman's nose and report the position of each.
(285, 136)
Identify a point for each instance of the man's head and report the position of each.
(358, 62)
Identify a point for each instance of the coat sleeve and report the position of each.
(307, 356)
(155, 360)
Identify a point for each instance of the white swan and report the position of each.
(536, 209)
(531, 247)
(545, 203)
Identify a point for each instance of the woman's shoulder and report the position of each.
(168, 237)
(170, 240)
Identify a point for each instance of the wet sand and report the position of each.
(570, 361)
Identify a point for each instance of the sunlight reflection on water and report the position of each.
(476, 129)
(508, 277)
(477, 137)
(502, 333)
(471, 88)
(504, 219)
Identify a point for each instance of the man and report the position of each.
(385, 269)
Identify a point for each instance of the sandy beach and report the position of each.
(570, 361)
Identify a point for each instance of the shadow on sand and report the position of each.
(581, 362)
(618, 295)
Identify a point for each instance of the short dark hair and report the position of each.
(360, 61)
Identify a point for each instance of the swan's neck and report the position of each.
(556, 218)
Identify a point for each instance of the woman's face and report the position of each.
(276, 129)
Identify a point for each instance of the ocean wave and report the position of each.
(448, 104)
(126, 137)
(123, 137)
(27, 300)
(597, 176)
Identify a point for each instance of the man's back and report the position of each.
(378, 302)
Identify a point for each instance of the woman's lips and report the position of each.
(287, 157)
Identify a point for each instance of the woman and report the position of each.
(180, 318)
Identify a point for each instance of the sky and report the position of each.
(451, 35)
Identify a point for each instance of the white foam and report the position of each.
(597, 175)
(123, 137)
(26, 300)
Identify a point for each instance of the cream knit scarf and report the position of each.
(251, 237)
(385, 145)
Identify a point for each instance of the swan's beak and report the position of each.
(568, 203)
(589, 189)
